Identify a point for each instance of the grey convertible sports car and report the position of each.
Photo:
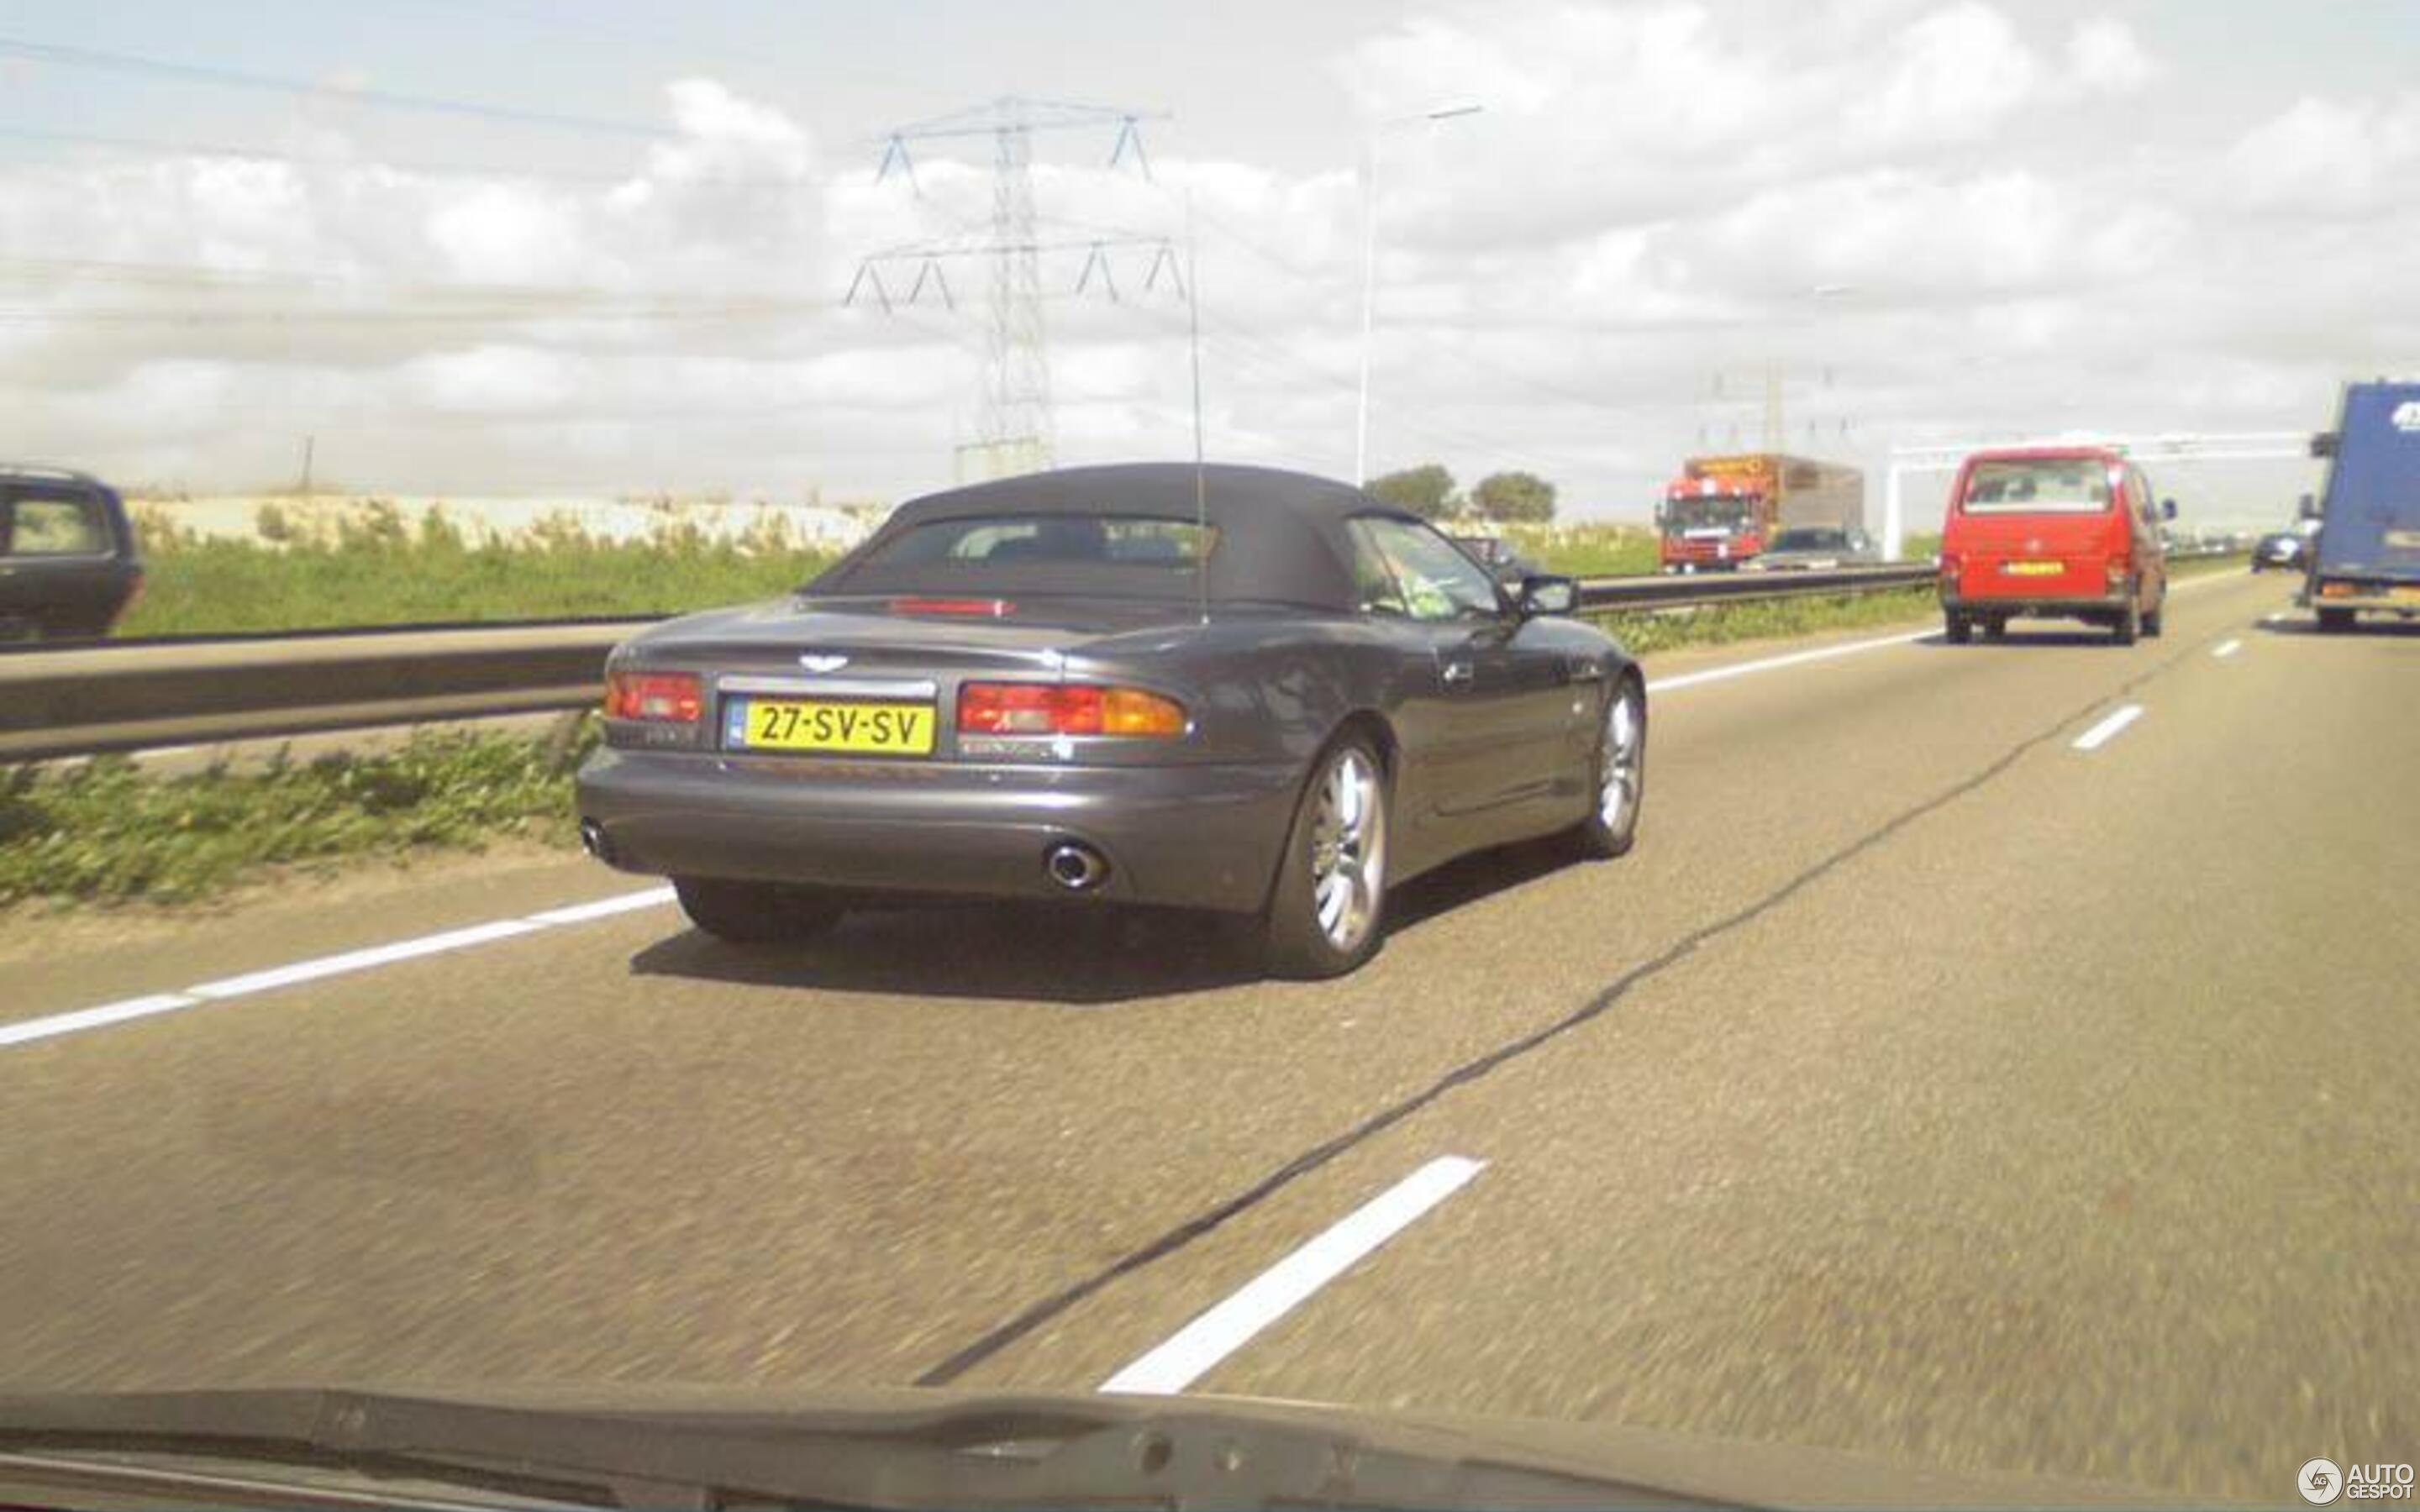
(1229, 689)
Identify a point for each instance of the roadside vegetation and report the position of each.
(106, 832)
(1645, 631)
(110, 832)
(378, 569)
(1585, 550)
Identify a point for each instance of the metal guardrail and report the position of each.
(1680, 589)
(133, 695)
(106, 698)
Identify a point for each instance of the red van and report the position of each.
(2054, 532)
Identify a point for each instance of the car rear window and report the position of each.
(2037, 486)
(56, 526)
(1063, 540)
(1118, 556)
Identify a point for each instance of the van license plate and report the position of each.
(2033, 569)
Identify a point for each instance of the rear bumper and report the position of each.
(2038, 606)
(1700, 554)
(1187, 836)
(2390, 592)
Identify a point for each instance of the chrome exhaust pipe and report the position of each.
(1074, 866)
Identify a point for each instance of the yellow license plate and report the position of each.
(2407, 594)
(802, 724)
(2033, 569)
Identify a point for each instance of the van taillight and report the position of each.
(2116, 570)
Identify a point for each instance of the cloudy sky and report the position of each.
(544, 245)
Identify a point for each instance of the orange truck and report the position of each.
(1723, 511)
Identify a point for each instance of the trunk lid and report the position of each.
(873, 636)
(2036, 556)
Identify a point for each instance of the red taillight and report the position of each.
(988, 608)
(2116, 571)
(1949, 564)
(1065, 709)
(671, 697)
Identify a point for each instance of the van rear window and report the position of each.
(2062, 486)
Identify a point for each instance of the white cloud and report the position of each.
(1951, 75)
(508, 234)
(2104, 54)
(2327, 156)
(1648, 198)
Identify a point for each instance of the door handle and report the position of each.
(1458, 674)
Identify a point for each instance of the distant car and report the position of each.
(1069, 686)
(69, 566)
(1814, 549)
(2058, 533)
(2282, 549)
(1496, 555)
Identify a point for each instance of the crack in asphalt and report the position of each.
(1173, 1240)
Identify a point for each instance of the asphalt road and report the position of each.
(1923, 1084)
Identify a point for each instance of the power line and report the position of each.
(124, 63)
(1013, 428)
(1502, 449)
(1460, 353)
(655, 39)
(1277, 362)
(169, 147)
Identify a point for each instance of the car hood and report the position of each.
(924, 1447)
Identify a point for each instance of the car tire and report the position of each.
(2127, 627)
(1335, 863)
(756, 913)
(1996, 629)
(1618, 776)
(1958, 628)
(2335, 620)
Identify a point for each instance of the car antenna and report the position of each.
(1201, 470)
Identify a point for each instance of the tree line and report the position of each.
(1507, 498)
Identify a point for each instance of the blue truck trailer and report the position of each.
(2368, 559)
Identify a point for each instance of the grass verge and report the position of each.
(379, 570)
(107, 832)
(1645, 631)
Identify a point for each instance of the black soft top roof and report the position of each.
(1281, 534)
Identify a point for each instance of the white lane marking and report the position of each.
(2226, 648)
(605, 907)
(376, 955)
(1795, 658)
(93, 1018)
(1799, 659)
(323, 966)
(136, 1008)
(1276, 1292)
(2101, 735)
(2277, 618)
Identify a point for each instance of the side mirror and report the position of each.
(1548, 595)
(2167, 509)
